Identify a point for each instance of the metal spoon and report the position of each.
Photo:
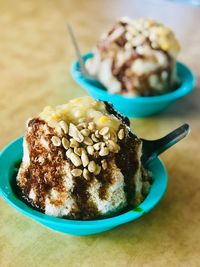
(151, 149)
(83, 69)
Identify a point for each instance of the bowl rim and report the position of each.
(188, 82)
(7, 193)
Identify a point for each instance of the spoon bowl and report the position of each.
(12, 155)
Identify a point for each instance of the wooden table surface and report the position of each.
(35, 57)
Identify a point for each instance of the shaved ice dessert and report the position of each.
(81, 161)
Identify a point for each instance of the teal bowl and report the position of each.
(12, 155)
(137, 107)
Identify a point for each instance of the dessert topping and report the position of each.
(75, 159)
(92, 166)
(73, 143)
(65, 143)
(97, 134)
(91, 126)
(98, 170)
(85, 132)
(86, 174)
(82, 125)
(88, 141)
(68, 153)
(104, 131)
(90, 150)
(84, 159)
(56, 141)
(104, 151)
(64, 126)
(106, 136)
(76, 172)
(74, 132)
(121, 134)
(94, 138)
(104, 164)
(97, 146)
(77, 151)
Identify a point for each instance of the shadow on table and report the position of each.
(169, 225)
(188, 107)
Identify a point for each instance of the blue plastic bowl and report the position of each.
(137, 106)
(8, 188)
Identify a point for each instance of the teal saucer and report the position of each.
(12, 155)
(137, 106)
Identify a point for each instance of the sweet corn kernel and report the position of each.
(103, 119)
(161, 31)
(56, 117)
(165, 46)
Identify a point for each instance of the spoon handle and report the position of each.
(77, 50)
(152, 149)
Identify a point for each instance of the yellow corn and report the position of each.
(56, 117)
(103, 119)
(165, 46)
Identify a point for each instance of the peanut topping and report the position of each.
(73, 143)
(74, 132)
(82, 125)
(104, 164)
(64, 126)
(98, 170)
(56, 141)
(97, 146)
(68, 153)
(86, 174)
(104, 151)
(76, 172)
(92, 134)
(104, 131)
(91, 126)
(97, 134)
(88, 141)
(121, 134)
(75, 159)
(65, 143)
(77, 151)
(90, 150)
(107, 136)
(92, 166)
(85, 132)
(94, 138)
(84, 159)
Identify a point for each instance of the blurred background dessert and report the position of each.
(136, 57)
